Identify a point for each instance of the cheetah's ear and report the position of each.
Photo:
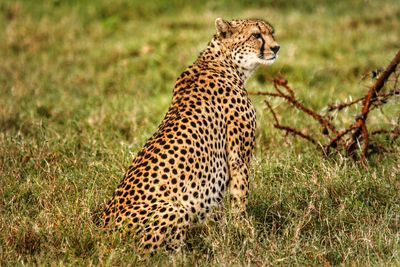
(224, 28)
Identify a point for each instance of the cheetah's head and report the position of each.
(250, 42)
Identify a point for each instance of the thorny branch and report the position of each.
(367, 102)
(355, 135)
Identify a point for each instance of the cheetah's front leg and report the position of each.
(239, 182)
(240, 144)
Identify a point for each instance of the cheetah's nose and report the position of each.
(275, 48)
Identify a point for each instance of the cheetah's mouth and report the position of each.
(268, 61)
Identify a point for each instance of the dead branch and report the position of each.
(368, 100)
(351, 137)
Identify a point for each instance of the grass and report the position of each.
(83, 84)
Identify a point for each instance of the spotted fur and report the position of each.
(202, 148)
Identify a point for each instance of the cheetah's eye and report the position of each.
(257, 35)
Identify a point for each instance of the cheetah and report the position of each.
(203, 146)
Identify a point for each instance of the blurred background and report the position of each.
(71, 60)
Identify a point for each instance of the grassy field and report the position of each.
(83, 84)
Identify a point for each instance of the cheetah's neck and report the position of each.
(215, 54)
(214, 59)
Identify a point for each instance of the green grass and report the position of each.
(83, 84)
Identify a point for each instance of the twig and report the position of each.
(334, 141)
(340, 106)
(381, 97)
(287, 128)
(290, 98)
(272, 111)
(296, 132)
(395, 131)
